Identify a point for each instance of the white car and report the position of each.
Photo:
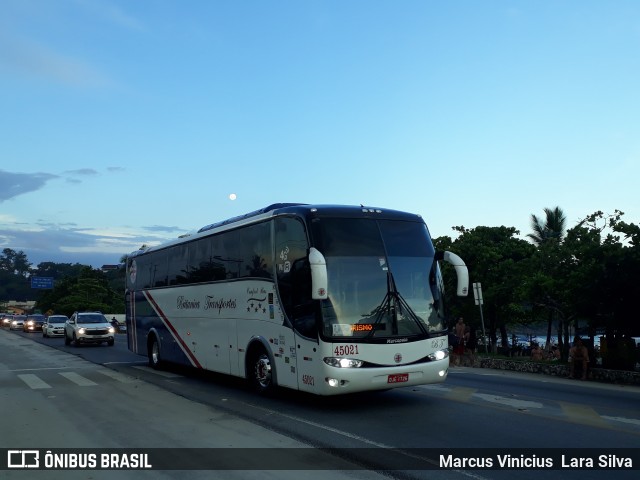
(54, 326)
(88, 327)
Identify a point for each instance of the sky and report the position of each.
(125, 123)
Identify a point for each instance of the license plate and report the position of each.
(398, 378)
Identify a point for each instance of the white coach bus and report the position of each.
(322, 298)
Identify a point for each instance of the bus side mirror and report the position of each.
(319, 279)
(461, 271)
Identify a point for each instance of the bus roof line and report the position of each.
(260, 211)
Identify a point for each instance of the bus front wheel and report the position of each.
(261, 372)
(154, 354)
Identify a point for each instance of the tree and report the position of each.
(15, 262)
(603, 282)
(553, 228)
(547, 237)
(90, 290)
(499, 260)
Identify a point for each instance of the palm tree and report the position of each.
(551, 232)
(553, 228)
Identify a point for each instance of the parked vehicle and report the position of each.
(33, 323)
(88, 327)
(54, 326)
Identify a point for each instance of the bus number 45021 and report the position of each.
(342, 350)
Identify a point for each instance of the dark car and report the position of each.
(5, 319)
(33, 323)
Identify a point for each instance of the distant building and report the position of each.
(19, 308)
(109, 268)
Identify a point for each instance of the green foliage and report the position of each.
(76, 287)
(586, 277)
(498, 260)
(90, 290)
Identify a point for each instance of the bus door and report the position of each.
(293, 275)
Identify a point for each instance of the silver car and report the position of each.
(17, 322)
(54, 326)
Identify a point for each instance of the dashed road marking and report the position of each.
(509, 402)
(582, 414)
(632, 421)
(120, 377)
(78, 379)
(33, 381)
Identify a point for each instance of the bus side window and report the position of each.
(294, 275)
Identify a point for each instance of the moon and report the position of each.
(233, 196)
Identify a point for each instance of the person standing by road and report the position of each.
(578, 355)
(458, 350)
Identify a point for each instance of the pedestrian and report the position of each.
(536, 353)
(458, 350)
(578, 355)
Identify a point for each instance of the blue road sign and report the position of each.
(41, 282)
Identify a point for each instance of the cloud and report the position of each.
(37, 60)
(82, 172)
(70, 243)
(111, 13)
(162, 228)
(14, 184)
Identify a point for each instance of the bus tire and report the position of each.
(153, 352)
(261, 372)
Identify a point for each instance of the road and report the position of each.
(95, 394)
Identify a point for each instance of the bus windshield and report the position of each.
(382, 278)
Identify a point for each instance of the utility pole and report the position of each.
(477, 295)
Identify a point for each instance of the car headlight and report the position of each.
(112, 330)
(343, 362)
(82, 331)
(30, 323)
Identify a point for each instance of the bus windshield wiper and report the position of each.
(394, 303)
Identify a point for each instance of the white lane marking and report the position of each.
(78, 379)
(33, 381)
(358, 438)
(633, 421)
(120, 377)
(510, 402)
(158, 372)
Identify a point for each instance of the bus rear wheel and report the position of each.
(261, 372)
(153, 352)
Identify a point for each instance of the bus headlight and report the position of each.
(343, 362)
(439, 355)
